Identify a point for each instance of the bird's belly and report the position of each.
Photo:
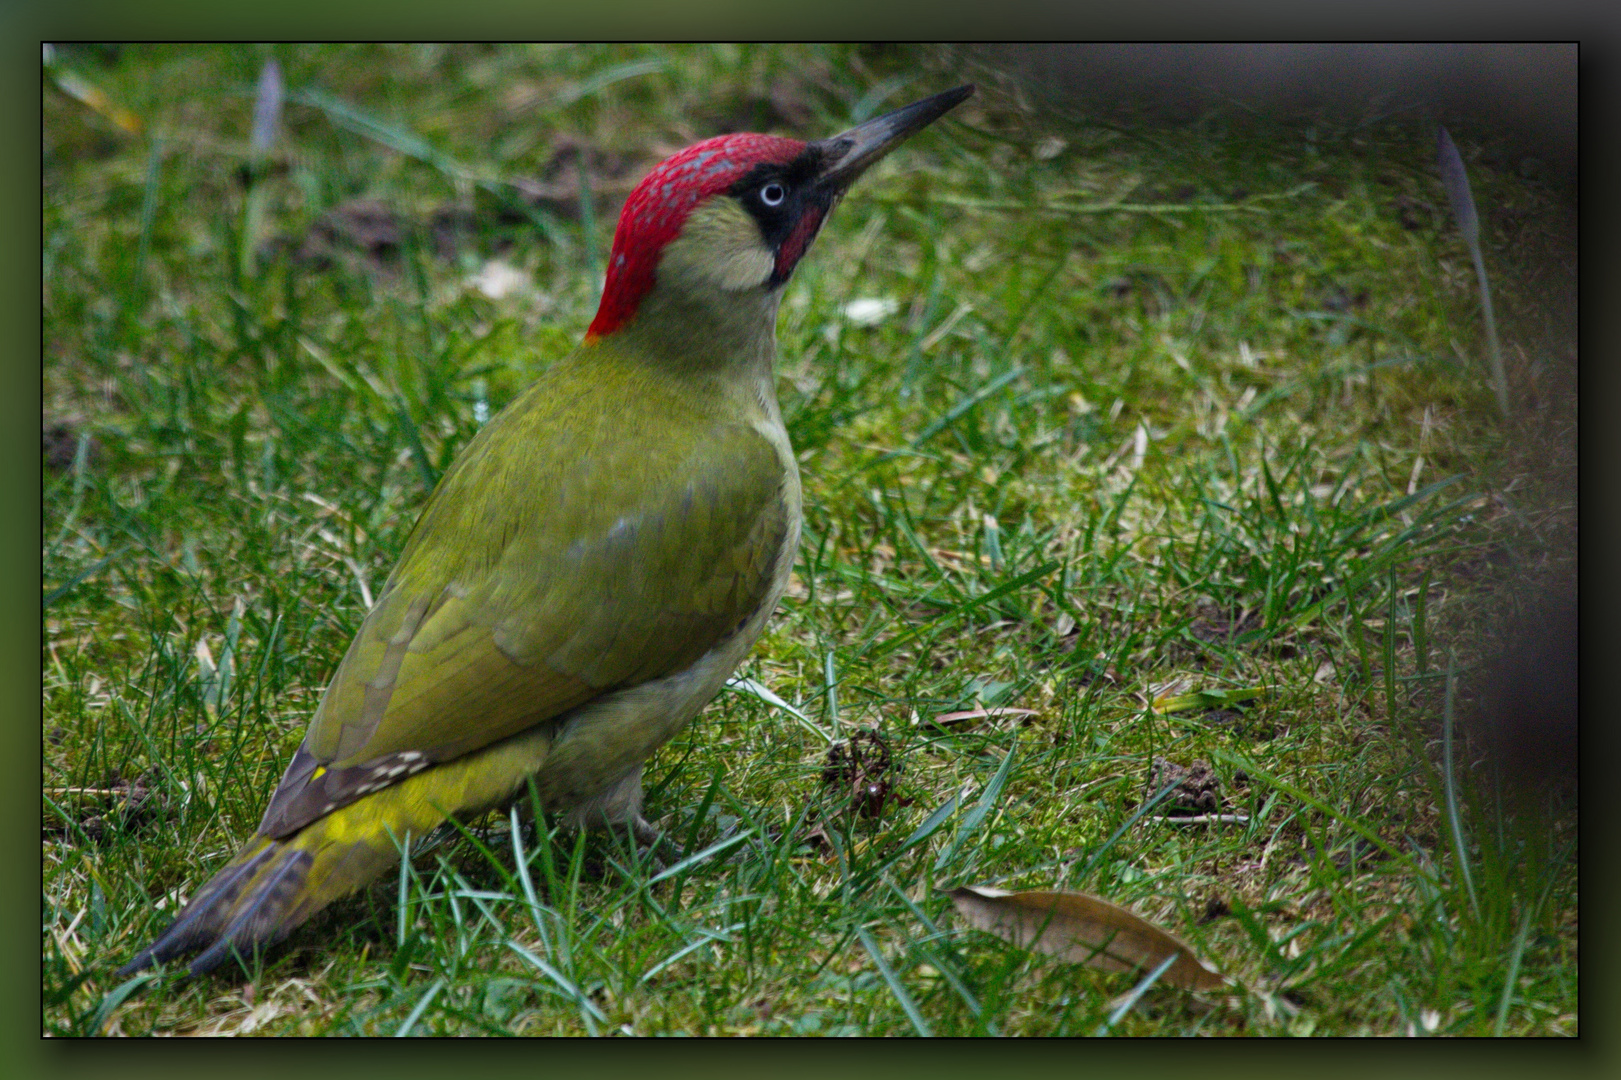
(598, 743)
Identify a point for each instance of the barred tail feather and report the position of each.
(201, 920)
(272, 886)
(266, 915)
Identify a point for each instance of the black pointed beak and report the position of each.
(846, 156)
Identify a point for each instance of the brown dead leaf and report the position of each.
(1082, 929)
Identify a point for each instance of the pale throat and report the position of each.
(712, 304)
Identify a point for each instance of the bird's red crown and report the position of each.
(659, 207)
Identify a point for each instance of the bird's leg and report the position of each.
(655, 843)
(619, 807)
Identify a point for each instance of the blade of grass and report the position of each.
(961, 409)
(394, 136)
(631, 69)
(944, 967)
(1454, 817)
(115, 998)
(1136, 995)
(707, 937)
(908, 1006)
(1159, 796)
(873, 652)
(971, 823)
(1455, 178)
(588, 1010)
(930, 825)
(1512, 975)
(1321, 807)
(421, 1007)
(765, 694)
(149, 209)
(521, 863)
(703, 856)
(83, 575)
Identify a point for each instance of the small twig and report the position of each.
(1203, 819)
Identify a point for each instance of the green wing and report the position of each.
(574, 548)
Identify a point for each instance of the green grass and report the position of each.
(1229, 433)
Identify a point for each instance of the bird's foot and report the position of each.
(651, 842)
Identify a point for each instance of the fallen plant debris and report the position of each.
(861, 766)
(368, 226)
(376, 232)
(1082, 929)
(120, 802)
(59, 444)
(1200, 819)
(1197, 791)
(1175, 697)
(557, 188)
(786, 106)
(966, 717)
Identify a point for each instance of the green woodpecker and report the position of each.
(592, 567)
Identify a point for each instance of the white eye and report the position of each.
(773, 194)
